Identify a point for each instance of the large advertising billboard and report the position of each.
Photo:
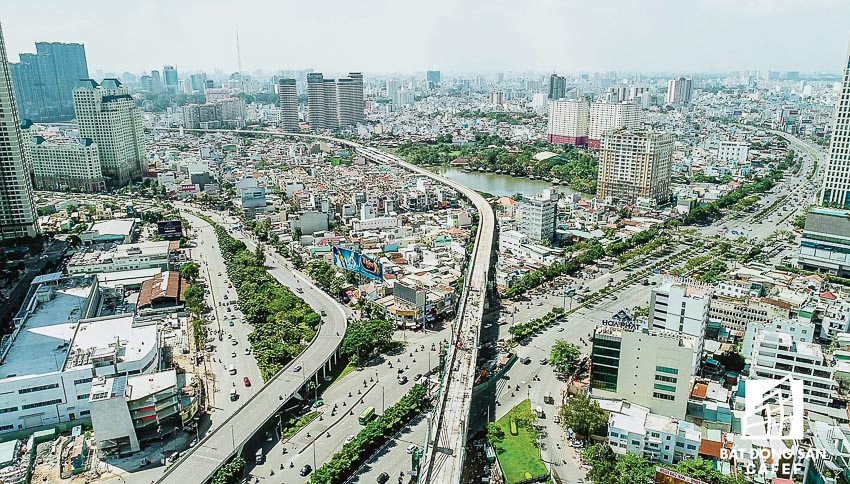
(357, 262)
(170, 228)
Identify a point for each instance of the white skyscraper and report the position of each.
(288, 105)
(568, 122)
(605, 116)
(17, 209)
(679, 91)
(107, 114)
(538, 216)
(836, 179)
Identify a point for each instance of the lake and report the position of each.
(499, 185)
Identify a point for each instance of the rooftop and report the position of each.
(141, 386)
(99, 334)
(42, 343)
(114, 227)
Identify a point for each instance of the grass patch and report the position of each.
(293, 426)
(519, 454)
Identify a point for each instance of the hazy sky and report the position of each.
(449, 35)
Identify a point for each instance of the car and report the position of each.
(411, 448)
(544, 361)
(247, 351)
(383, 478)
(219, 274)
(350, 438)
(402, 379)
(556, 419)
(306, 470)
(246, 381)
(526, 361)
(560, 330)
(417, 376)
(234, 342)
(297, 368)
(233, 354)
(231, 323)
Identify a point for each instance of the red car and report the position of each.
(247, 381)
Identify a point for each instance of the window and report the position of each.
(668, 379)
(662, 396)
(41, 404)
(691, 447)
(664, 369)
(83, 397)
(84, 413)
(38, 388)
(636, 443)
(666, 388)
(82, 380)
(6, 427)
(7, 410)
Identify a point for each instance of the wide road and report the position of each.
(444, 448)
(201, 462)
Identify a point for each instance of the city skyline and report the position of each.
(701, 37)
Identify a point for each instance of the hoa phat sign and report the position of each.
(666, 476)
(627, 325)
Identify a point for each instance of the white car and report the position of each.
(349, 439)
(411, 448)
(233, 354)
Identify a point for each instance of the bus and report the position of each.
(367, 415)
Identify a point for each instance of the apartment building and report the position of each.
(568, 122)
(777, 355)
(288, 93)
(635, 167)
(107, 114)
(17, 212)
(733, 152)
(825, 244)
(836, 179)
(679, 91)
(538, 216)
(125, 257)
(735, 314)
(332, 104)
(607, 116)
(66, 164)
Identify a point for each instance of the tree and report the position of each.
(731, 360)
(363, 337)
(189, 271)
(701, 469)
(495, 433)
(583, 415)
(565, 357)
(603, 463)
(194, 297)
(523, 416)
(296, 233)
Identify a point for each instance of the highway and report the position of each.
(201, 462)
(444, 448)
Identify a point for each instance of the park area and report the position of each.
(518, 454)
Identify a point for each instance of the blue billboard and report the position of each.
(356, 262)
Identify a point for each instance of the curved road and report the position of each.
(201, 462)
(444, 448)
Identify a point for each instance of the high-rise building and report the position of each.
(568, 122)
(605, 116)
(497, 97)
(17, 209)
(334, 103)
(350, 102)
(392, 89)
(107, 114)
(538, 216)
(433, 79)
(679, 91)
(825, 243)
(635, 166)
(288, 93)
(66, 164)
(676, 306)
(43, 81)
(146, 83)
(197, 82)
(557, 87)
(171, 79)
(836, 178)
(156, 81)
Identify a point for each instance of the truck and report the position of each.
(233, 395)
(539, 411)
(547, 398)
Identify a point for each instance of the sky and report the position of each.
(404, 36)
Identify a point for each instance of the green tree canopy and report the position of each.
(363, 337)
(583, 415)
(565, 357)
(194, 296)
(189, 271)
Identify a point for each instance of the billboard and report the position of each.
(357, 262)
(666, 476)
(254, 197)
(170, 228)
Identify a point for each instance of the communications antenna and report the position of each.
(239, 64)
